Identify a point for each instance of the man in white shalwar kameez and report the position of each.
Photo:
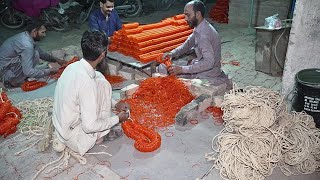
(82, 112)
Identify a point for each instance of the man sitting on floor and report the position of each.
(207, 45)
(19, 56)
(82, 113)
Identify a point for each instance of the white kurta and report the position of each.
(82, 107)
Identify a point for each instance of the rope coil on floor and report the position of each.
(260, 135)
(36, 113)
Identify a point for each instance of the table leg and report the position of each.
(153, 67)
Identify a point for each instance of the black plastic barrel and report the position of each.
(307, 97)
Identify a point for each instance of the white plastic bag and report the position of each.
(272, 22)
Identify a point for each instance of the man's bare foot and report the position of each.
(99, 141)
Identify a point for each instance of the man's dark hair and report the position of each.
(104, 1)
(34, 24)
(199, 6)
(93, 44)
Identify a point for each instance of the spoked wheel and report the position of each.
(136, 8)
(84, 14)
(186, 1)
(56, 21)
(164, 4)
(12, 20)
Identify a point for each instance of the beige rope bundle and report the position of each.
(300, 142)
(63, 160)
(255, 107)
(250, 154)
(36, 114)
(259, 135)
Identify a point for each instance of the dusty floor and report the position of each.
(181, 156)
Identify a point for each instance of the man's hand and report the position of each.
(122, 106)
(53, 70)
(123, 116)
(167, 55)
(61, 62)
(175, 70)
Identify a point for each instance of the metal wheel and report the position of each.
(56, 21)
(12, 19)
(136, 8)
(84, 14)
(164, 4)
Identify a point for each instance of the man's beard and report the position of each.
(193, 23)
(37, 38)
(102, 65)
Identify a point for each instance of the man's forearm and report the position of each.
(48, 57)
(45, 56)
(183, 48)
(113, 103)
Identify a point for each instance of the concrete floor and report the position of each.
(179, 157)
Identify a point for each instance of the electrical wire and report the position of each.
(275, 49)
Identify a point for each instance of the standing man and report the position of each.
(207, 45)
(19, 55)
(82, 113)
(105, 19)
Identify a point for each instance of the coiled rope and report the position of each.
(260, 135)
